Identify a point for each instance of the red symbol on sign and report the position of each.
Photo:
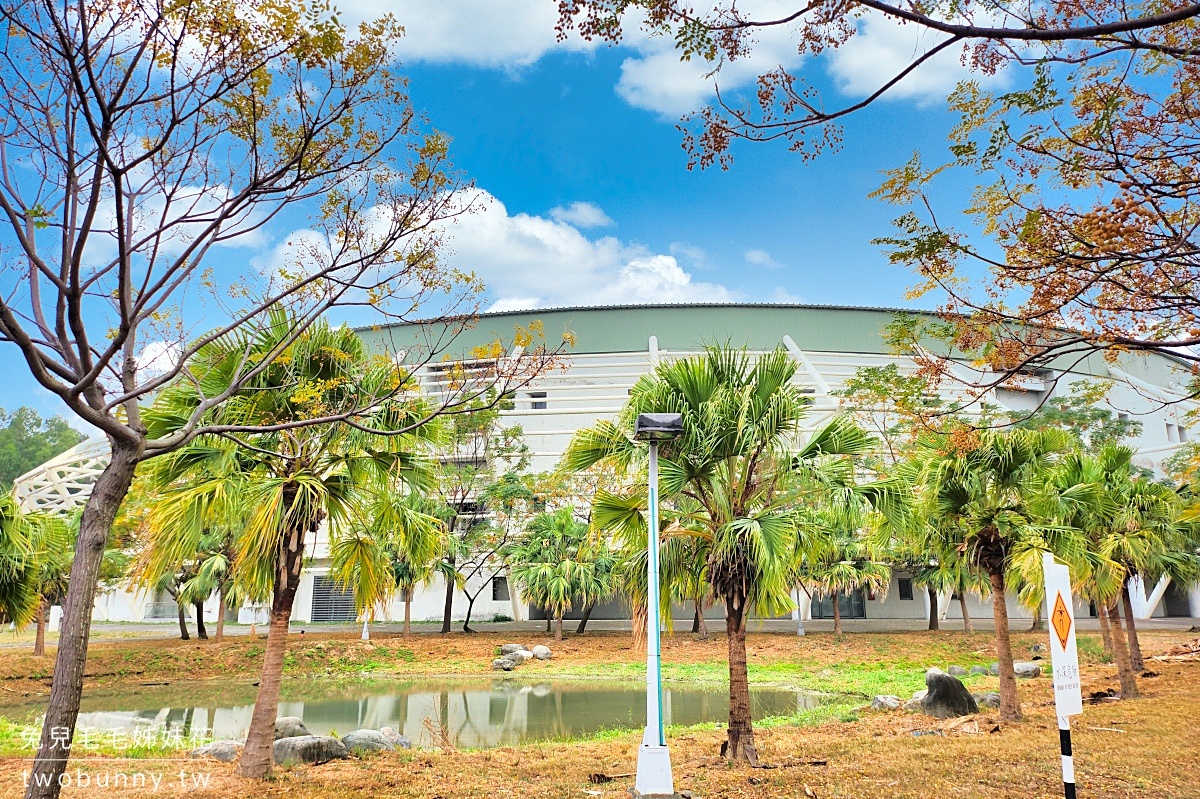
(1060, 620)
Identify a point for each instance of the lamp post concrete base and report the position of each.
(654, 772)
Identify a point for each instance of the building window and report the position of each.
(1122, 417)
(500, 589)
(1172, 433)
(1182, 433)
(539, 400)
(905, 585)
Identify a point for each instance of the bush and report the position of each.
(501, 617)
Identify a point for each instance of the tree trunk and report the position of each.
(39, 639)
(1010, 703)
(183, 630)
(1037, 620)
(966, 614)
(549, 622)
(67, 685)
(220, 615)
(1129, 689)
(1105, 631)
(837, 615)
(701, 622)
(201, 633)
(449, 609)
(696, 616)
(256, 759)
(408, 594)
(1136, 661)
(558, 627)
(470, 608)
(933, 608)
(587, 614)
(739, 741)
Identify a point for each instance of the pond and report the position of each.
(476, 713)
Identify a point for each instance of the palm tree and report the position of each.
(394, 530)
(555, 565)
(36, 550)
(981, 491)
(280, 486)
(729, 480)
(841, 565)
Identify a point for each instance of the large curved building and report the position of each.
(614, 346)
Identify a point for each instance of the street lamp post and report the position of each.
(654, 760)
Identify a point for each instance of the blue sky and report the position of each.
(584, 193)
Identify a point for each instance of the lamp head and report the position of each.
(658, 426)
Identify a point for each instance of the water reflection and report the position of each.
(476, 714)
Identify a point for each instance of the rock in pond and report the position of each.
(886, 702)
(367, 741)
(541, 652)
(290, 727)
(314, 749)
(948, 697)
(225, 751)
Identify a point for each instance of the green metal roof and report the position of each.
(628, 328)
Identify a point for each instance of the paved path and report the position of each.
(113, 631)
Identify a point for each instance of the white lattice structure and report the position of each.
(63, 483)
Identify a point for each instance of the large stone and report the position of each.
(913, 706)
(994, 669)
(919, 695)
(980, 670)
(225, 751)
(886, 702)
(523, 654)
(541, 652)
(290, 727)
(990, 699)
(956, 671)
(508, 649)
(947, 697)
(395, 739)
(314, 749)
(503, 664)
(367, 741)
(1027, 670)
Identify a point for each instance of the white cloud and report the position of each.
(781, 295)
(531, 261)
(486, 33)
(582, 215)
(761, 258)
(883, 48)
(158, 357)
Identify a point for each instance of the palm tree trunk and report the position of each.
(257, 755)
(701, 622)
(1129, 689)
(66, 687)
(1037, 620)
(933, 608)
(408, 594)
(587, 614)
(1105, 631)
(966, 614)
(549, 622)
(449, 607)
(183, 630)
(201, 633)
(739, 741)
(837, 614)
(558, 627)
(638, 612)
(1010, 703)
(220, 615)
(1136, 661)
(39, 640)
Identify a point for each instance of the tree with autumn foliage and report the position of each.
(785, 107)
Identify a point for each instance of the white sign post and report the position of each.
(1068, 699)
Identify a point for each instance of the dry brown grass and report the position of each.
(1155, 755)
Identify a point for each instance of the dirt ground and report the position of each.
(1141, 748)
